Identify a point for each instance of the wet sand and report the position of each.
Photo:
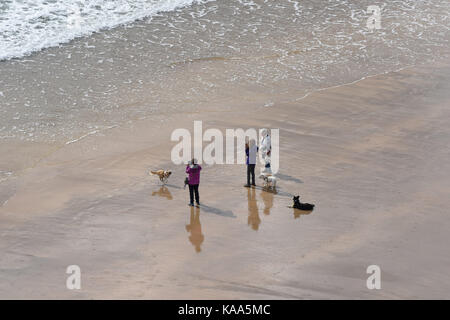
(372, 155)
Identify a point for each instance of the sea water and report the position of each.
(70, 69)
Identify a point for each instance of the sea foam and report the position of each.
(27, 26)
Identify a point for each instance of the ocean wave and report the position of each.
(27, 26)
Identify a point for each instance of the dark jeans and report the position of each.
(251, 171)
(193, 188)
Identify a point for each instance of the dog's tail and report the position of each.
(153, 172)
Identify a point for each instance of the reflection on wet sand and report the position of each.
(163, 192)
(253, 214)
(195, 228)
(267, 197)
(298, 213)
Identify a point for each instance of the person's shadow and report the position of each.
(195, 228)
(253, 212)
(267, 197)
(163, 192)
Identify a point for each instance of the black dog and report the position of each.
(302, 206)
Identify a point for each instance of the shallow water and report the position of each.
(211, 53)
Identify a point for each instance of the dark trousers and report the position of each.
(193, 189)
(251, 171)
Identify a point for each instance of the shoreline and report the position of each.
(128, 72)
(351, 149)
(56, 145)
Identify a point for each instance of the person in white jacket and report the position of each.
(266, 148)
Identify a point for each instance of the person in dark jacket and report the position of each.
(193, 170)
(251, 150)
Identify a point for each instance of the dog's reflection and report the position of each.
(163, 192)
(253, 213)
(298, 213)
(267, 197)
(195, 228)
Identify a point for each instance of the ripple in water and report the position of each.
(206, 54)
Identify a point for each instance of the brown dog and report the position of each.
(162, 174)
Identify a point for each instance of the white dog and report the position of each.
(270, 182)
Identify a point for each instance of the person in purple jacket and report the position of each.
(251, 151)
(193, 169)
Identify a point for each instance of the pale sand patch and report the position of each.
(372, 155)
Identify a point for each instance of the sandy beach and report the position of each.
(372, 155)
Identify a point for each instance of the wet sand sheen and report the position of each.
(371, 155)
